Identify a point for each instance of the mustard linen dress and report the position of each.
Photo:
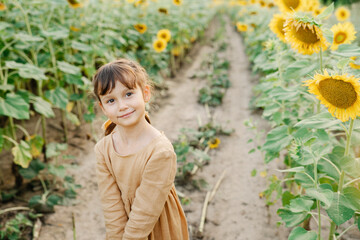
(137, 192)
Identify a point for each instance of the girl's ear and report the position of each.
(147, 93)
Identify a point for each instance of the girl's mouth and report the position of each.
(126, 115)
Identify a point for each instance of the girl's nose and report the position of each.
(122, 106)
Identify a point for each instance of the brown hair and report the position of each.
(130, 73)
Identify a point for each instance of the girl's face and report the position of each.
(124, 106)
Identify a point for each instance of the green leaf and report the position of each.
(22, 155)
(59, 171)
(321, 120)
(323, 195)
(300, 233)
(81, 46)
(290, 218)
(33, 170)
(304, 179)
(27, 70)
(54, 149)
(68, 68)
(328, 11)
(352, 194)
(277, 139)
(58, 97)
(295, 169)
(53, 200)
(73, 118)
(14, 106)
(350, 165)
(300, 68)
(7, 87)
(74, 79)
(347, 50)
(22, 36)
(339, 211)
(279, 93)
(287, 197)
(298, 205)
(56, 33)
(41, 106)
(4, 25)
(253, 173)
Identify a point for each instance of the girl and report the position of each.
(136, 164)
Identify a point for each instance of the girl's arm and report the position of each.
(151, 195)
(112, 204)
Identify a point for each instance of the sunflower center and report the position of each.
(291, 4)
(163, 35)
(340, 37)
(337, 92)
(159, 44)
(280, 25)
(343, 14)
(306, 35)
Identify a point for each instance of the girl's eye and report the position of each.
(128, 94)
(110, 101)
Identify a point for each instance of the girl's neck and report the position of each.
(129, 136)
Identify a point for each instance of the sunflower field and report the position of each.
(307, 55)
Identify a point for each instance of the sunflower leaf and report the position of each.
(329, 10)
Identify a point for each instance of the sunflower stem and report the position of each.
(342, 175)
(321, 60)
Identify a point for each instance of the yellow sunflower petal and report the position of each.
(277, 26)
(140, 27)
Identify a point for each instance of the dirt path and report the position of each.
(236, 212)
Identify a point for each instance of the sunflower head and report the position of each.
(159, 45)
(344, 33)
(339, 93)
(342, 13)
(163, 10)
(177, 2)
(310, 5)
(262, 3)
(213, 143)
(2, 7)
(271, 5)
(290, 5)
(176, 51)
(74, 29)
(164, 34)
(75, 4)
(140, 27)
(354, 64)
(305, 37)
(277, 26)
(241, 27)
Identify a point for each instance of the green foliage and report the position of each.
(13, 228)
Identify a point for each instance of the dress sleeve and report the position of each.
(151, 195)
(112, 204)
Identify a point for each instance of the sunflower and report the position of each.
(277, 26)
(2, 7)
(262, 3)
(163, 10)
(311, 5)
(241, 27)
(252, 1)
(318, 11)
(271, 5)
(290, 5)
(159, 45)
(306, 38)
(176, 51)
(342, 13)
(177, 2)
(75, 3)
(130, 1)
(214, 143)
(344, 33)
(164, 34)
(140, 27)
(339, 93)
(354, 65)
(74, 29)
